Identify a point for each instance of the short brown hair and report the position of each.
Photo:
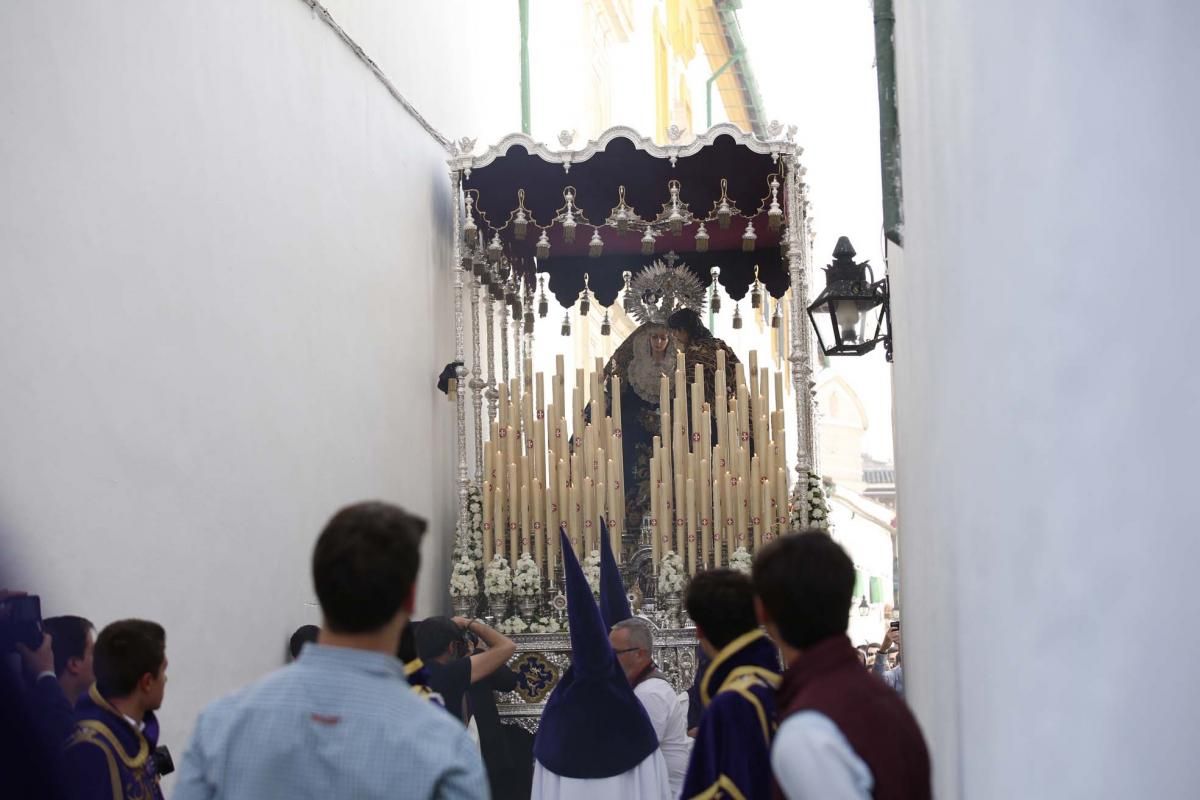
(721, 603)
(69, 635)
(364, 565)
(125, 651)
(805, 581)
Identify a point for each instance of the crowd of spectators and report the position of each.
(375, 704)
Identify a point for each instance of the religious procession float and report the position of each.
(675, 447)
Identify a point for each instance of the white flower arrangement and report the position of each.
(810, 504)
(545, 625)
(527, 579)
(741, 560)
(470, 541)
(591, 571)
(670, 573)
(497, 578)
(513, 624)
(463, 582)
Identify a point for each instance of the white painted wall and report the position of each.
(1045, 393)
(223, 258)
(457, 61)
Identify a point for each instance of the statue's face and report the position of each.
(659, 341)
(681, 338)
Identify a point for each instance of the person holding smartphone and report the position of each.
(894, 676)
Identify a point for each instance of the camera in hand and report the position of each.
(20, 622)
(163, 763)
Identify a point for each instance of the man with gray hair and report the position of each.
(633, 643)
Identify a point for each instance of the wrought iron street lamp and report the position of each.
(851, 315)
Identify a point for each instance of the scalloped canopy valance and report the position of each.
(620, 185)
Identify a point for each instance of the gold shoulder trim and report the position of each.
(99, 728)
(723, 787)
(751, 674)
(88, 736)
(411, 667)
(723, 656)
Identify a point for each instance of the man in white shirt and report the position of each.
(633, 643)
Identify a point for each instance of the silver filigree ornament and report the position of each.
(567, 216)
(470, 229)
(660, 290)
(623, 215)
(724, 208)
(648, 242)
(775, 212)
(596, 245)
(520, 217)
(675, 213)
(585, 303)
(749, 237)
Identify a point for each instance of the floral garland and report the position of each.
(670, 573)
(810, 504)
(545, 625)
(741, 560)
(497, 578)
(591, 571)
(463, 582)
(470, 540)
(527, 579)
(513, 624)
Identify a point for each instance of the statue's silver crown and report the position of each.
(660, 290)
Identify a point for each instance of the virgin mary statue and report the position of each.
(653, 297)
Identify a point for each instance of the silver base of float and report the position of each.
(541, 660)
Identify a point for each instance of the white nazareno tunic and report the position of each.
(647, 781)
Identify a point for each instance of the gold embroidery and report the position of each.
(118, 749)
(536, 677)
(88, 736)
(143, 746)
(768, 676)
(411, 667)
(723, 656)
(723, 787)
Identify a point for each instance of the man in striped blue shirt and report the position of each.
(340, 722)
